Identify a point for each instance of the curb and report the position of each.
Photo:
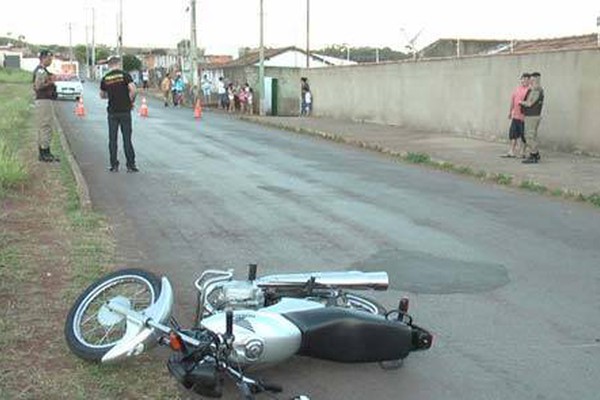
(440, 165)
(83, 191)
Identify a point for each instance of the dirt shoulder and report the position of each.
(50, 249)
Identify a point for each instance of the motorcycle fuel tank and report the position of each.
(260, 337)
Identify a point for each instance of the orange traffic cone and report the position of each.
(144, 108)
(79, 108)
(198, 110)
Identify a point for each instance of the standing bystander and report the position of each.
(304, 88)
(117, 85)
(206, 86)
(517, 118)
(165, 88)
(45, 94)
(145, 79)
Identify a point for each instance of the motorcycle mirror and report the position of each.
(252, 272)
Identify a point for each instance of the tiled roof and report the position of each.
(253, 57)
(564, 43)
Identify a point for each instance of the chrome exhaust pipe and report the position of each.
(356, 280)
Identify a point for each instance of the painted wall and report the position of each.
(466, 96)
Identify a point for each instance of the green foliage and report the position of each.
(9, 75)
(80, 53)
(131, 63)
(533, 186)
(594, 199)
(502, 179)
(418, 158)
(12, 170)
(15, 94)
(362, 54)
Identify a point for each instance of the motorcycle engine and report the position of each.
(237, 295)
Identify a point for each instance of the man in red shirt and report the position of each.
(515, 114)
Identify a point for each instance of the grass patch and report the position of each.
(465, 170)
(15, 116)
(594, 198)
(418, 158)
(533, 187)
(502, 179)
(12, 170)
(9, 75)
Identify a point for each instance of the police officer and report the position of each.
(532, 108)
(117, 86)
(45, 93)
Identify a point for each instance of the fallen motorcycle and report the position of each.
(241, 325)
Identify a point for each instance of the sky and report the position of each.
(223, 26)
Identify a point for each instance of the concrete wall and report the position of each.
(467, 96)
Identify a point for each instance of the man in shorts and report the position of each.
(517, 118)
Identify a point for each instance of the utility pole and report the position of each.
(598, 28)
(93, 44)
(87, 51)
(70, 44)
(193, 46)
(307, 33)
(120, 38)
(261, 66)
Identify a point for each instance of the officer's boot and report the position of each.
(52, 156)
(41, 154)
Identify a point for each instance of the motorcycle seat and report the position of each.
(346, 335)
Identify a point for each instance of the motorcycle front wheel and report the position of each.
(91, 329)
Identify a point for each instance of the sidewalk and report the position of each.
(559, 174)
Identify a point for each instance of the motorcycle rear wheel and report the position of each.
(91, 330)
(364, 303)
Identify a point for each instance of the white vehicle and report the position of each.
(68, 87)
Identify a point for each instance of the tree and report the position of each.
(362, 54)
(131, 63)
(102, 53)
(80, 53)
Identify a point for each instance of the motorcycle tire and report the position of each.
(87, 315)
(363, 303)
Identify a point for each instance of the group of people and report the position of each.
(525, 112)
(235, 97)
(117, 86)
(172, 89)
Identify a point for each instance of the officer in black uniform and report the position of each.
(117, 86)
(45, 94)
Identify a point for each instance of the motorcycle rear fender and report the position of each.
(139, 336)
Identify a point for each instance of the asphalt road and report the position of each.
(508, 281)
